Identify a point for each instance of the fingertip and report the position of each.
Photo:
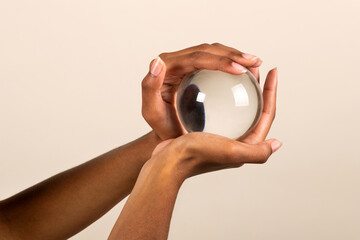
(156, 66)
(249, 56)
(254, 60)
(155, 77)
(238, 67)
(271, 79)
(275, 144)
(257, 62)
(276, 74)
(275, 71)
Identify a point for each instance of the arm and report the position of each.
(64, 204)
(70, 201)
(148, 211)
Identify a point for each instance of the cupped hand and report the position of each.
(160, 85)
(199, 152)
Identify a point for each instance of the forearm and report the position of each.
(66, 203)
(148, 211)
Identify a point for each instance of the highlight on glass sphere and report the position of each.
(220, 103)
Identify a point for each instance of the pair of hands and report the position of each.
(208, 152)
(147, 213)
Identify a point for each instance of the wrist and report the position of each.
(153, 138)
(161, 175)
(175, 160)
(145, 145)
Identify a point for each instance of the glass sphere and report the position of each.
(220, 103)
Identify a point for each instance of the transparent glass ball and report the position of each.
(220, 103)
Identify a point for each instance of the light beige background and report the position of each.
(70, 74)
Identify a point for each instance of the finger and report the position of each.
(255, 72)
(245, 55)
(254, 153)
(187, 63)
(152, 103)
(218, 49)
(269, 109)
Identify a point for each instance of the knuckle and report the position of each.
(203, 47)
(216, 44)
(264, 154)
(262, 161)
(194, 56)
(163, 56)
(149, 116)
(145, 113)
(224, 63)
(145, 84)
(234, 55)
(274, 114)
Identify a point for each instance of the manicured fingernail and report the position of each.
(238, 67)
(259, 62)
(275, 145)
(156, 66)
(249, 56)
(276, 72)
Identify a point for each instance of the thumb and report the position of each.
(275, 144)
(155, 78)
(156, 67)
(264, 150)
(152, 102)
(256, 153)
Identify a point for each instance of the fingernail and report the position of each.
(238, 67)
(259, 62)
(156, 67)
(275, 145)
(276, 72)
(250, 56)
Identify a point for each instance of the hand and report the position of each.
(197, 153)
(150, 205)
(160, 85)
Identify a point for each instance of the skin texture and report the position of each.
(64, 204)
(68, 202)
(147, 213)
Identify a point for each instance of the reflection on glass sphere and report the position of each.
(219, 103)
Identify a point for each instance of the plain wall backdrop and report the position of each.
(70, 76)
